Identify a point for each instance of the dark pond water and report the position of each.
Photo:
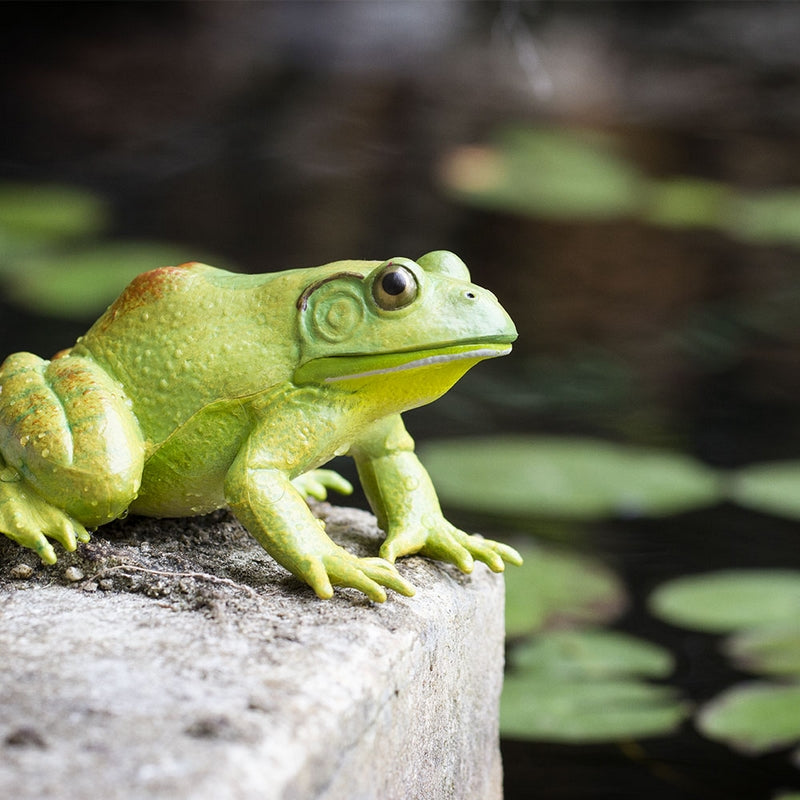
(277, 135)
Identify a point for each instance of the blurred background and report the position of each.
(625, 177)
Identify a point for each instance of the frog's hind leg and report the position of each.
(28, 520)
(72, 451)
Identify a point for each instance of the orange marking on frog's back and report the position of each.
(147, 288)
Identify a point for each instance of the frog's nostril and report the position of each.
(469, 295)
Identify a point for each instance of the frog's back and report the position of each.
(180, 338)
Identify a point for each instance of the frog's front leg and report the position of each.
(264, 500)
(403, 498)
(71, 452)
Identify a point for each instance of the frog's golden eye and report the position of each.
(394, 287)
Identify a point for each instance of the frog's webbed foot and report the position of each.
(338, 567)
(29, 520)
(437, 538)
(317, 482)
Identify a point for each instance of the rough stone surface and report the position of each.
(175, 659)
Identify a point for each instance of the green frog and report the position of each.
(200, 388)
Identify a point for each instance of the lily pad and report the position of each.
(562, 174)
(37, 214)
(768, 649)
(584, 686)
(772, 487)
(592, 654)
(768, 218)
(730, 600)
(552, 588)
(566, 477)
(687, 202)
(754, 718)
(577, 711)
(82, 283)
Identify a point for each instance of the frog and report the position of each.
(200, 388)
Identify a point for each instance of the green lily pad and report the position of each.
(561, 174)
(592, 654)
(767, 218)
(771, 487)
(571, 174)
(754, 718)
(553, 588)
(768, 649)
(579, 711)
(584, 686)
(82, 283)
(35, 214)
(686, 202)
(725, 601)
(566, 477)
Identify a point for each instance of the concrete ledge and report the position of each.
(175, 659)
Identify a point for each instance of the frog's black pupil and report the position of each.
(394, 283)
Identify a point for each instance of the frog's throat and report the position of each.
(346, 368)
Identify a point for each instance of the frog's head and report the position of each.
(419, 325)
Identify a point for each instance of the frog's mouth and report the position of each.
(335, 369)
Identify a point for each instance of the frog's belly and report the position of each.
(185, 476)
(172, 494)
(171, 489)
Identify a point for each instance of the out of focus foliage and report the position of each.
(582, 175)
(55, 254)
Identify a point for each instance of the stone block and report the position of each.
(175, 659)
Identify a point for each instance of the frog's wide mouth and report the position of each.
(334, 369)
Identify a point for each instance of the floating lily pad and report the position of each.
(563, 174)
(556, 589)
(578, 711)
(772, 487)
(84, 282)
(572, 174)
(686, 202)
(768, 218)
(754, 718)
(768, 649)
(584, 686)
(566, 477)
(34, 214)
(726, 601)
(592, 654)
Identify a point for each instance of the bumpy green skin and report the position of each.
(199, 388)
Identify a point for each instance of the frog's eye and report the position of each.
(394, 287)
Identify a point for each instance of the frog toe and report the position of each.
(43, 549)
(30, 521)
(315, 575)
(33, 539)
(81, 534)
(363, 583)
(67, 532)
(508, 554)
(494, 554)
(385, 573)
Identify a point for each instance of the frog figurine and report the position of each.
(199, 388)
